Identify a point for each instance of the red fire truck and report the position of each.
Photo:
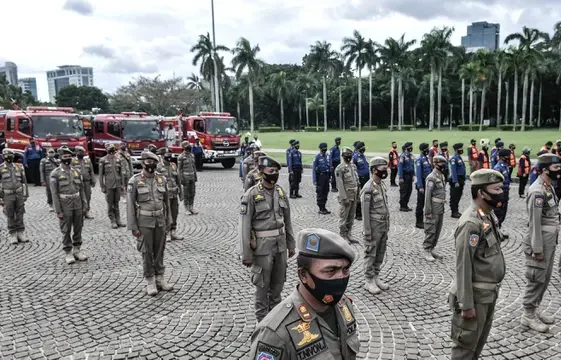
(216, 131)
(49, 126)
(137, 129)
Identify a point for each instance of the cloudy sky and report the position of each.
(122, 39)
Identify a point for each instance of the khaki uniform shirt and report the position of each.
(186, 167)
(252, 178)
(85, 167)
(13, 179)
(480, 262)
(435, 193)
(46, 166)
(111, 172)
(67, 189)
(248, 165)
(265, 211)
(169, 170)
(374, 202)
(293, 330)
(542, 206)
(126, 165)
(147, 195)
(347, 181)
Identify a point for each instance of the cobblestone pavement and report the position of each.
(98, 309)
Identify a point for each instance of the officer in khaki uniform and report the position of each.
(317, 320)
(250, 162)
(435, 198)
(47, 165)
(111, 181)
(347, 184)
(70, 205)
(480, 267)
(255, 175)
(126, 161)
(149, 218)
(167, 168)
(266, 235)
(187, 169)
(85, 166)
(13, 194)
(376, 224)
(540, 241)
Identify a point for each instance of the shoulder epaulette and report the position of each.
(281, 312)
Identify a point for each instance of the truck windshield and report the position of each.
(140, 130)
(221, 126)
(53, 126)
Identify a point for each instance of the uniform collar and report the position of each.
(303, 309)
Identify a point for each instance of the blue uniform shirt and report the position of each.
(494, 158)
(458, 168)
(294, 159)
(321, 164)
(443, 154)
(422, 170)
(288, 153)
(406, 164)
(361, 164)
(533, 174)
(197, 149)
(335, 154)
(502, 167)
(32, 153)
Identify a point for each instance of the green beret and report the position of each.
(267, 161)
(486, 177)
(548, 158)
(323, 244)
(149, 155)
(439, 159)
(346, 150)
(378, 161)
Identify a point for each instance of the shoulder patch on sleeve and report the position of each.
(538, 201)
(130, 187)
(473, 240)
(243, 209)
(267, 352)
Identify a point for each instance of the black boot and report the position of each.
(296, 194)
(292, 196)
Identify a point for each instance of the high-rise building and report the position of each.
(29, 84)
(482, 34)
(10, 70)
(68, 75)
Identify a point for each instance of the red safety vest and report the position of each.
(485, 163)
(526, 166)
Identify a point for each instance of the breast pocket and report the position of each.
(6, 177)
(262, 210)
(143, 194)
(77, 182)
(161, 192)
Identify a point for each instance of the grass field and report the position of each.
(380, 141)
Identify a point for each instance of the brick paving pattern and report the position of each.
(98, 309)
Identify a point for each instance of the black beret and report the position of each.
(322, 145)
(504, 152)
(499, 144)
(497, 140)
(360, 145)
(443, 144)
(355, 143)
(407, 144)
(337, 138)
(291, 142)
(458, 146)
(423, 146)
(296, 142)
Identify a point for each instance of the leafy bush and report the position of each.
(471, 127)
(269, 129)
(518, 127)
(403, 128)
(353, 128)
(313, 129)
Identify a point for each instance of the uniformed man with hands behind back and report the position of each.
(347, 184)
(46, 166)
(168, 168)
(85, 166)
(149, 218)
(13, 195)
(265, 236)
(435, 197)
(480, 267)
(255, 175)
(317, 320)
(112, 181)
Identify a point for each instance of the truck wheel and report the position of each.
(228, 163)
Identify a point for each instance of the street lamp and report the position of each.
(216, 90)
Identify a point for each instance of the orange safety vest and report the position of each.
(526, 166)
(474, 152)
(393, 163)
(512, 160)
(485, 163)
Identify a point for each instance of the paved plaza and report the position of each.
(98, 309)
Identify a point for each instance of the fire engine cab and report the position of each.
(137, 129)
(217, 133)
(49, 126)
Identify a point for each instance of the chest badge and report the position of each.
(347, 313)
(307, 336)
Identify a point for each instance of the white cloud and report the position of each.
(126, 38)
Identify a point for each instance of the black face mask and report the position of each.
(394, 146)
(496, 200)
(460, 152)
(323, 151)
(9, 158)
(271, 178)
(435, 145)
(187, 149)
(297, 147)
(80, 156)
(410, 149)
(362, 150)
(112, 151)
(554, 175)
(425, 152)
(443, 150)
(347, 158)
(439, 166)
(153, 151)
(328, 292)
(66, 161)
(381, 173)
(473, 144)
(150, 167)
(167, 158)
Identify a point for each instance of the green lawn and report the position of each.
(380, 141)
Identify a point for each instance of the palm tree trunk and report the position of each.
(540, 105)
(307, 113)
(463, 98)
(507, 87)
(359, 100)
(475, 108)
(355, 116)
(317, 120)
(282, 112)
(216, 85)
(439, 113)
(392, 91)
(531, 118)
(324, 105)
(251, 113)
(370, 98)
(402, 104)
(221, 97)
(499, 89)
(238, 109)
(399, 105)
(299, 115)
(431, 107)
(515, 101)
(470, 104)
(414, 121)
(483, 93)
(212, 97)
(524, 98)
(340, 108)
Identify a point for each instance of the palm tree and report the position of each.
(281, 88)
(501, 67)
(470, 72)
(341, 73)
(315, 104)
(402, 66)
(356, 51)
(461, 58)
(194, 82)
(322, 61)
(372, 61)
(305, 84)
(389, 56)
(484, 60)
(245, 59)
(445, 48)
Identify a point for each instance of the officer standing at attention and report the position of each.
(499, 145)
(175, 193)
(295, 170)
(13, 195)
(317, 320)
(149, 218)
(405, 172)
(457, 179)
(502, 166)
(540, 241)
(321, 173)
(290, 147)
(70, 205)
(512, 159)
(480, 267)
(255, 175)
(266, 235)
(422, 170)
(126, 161)
(198, 151)
(31, 160)
(433, 151)
(435, 197)
(347, 183)
(248, 163)
(473, 155)
(376, 224)
(85, 167)
(524, 167)
(187, 169)
(445, 154)
(359, 159)
(393, 158)
(483, 158)
(111, 181)
(46, 166)
(335, 156)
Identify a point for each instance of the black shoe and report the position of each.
(403, 209)
(324, 212)
(522, 196)
(420, 225)
(298, 196)
(359, 218)
(327, 211)
(394, 185)
(293, 196)
(334, 190)
(409, 209)
(456, 215)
